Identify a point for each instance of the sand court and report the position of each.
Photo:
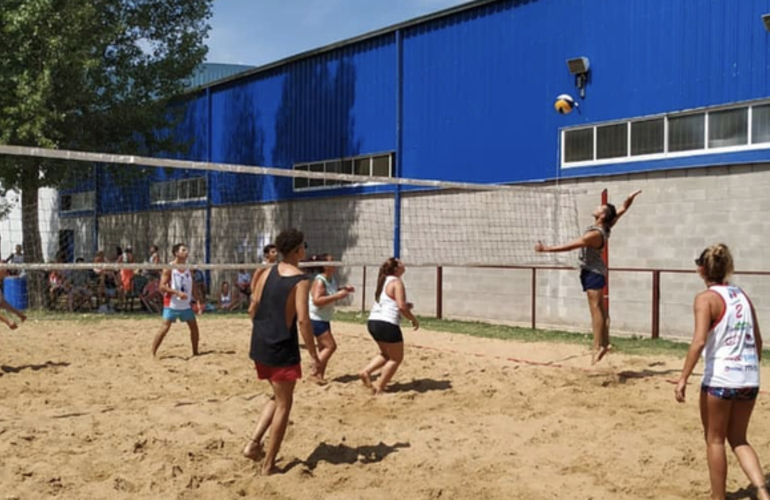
(86, 412)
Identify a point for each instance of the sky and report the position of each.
(257, 32)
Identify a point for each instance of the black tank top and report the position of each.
(272, 343)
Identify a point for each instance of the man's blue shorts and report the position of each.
(591, 280)
(174, 315)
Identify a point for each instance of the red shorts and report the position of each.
(278, 373)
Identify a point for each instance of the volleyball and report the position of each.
(564, 104)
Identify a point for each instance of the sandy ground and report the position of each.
(87, 413)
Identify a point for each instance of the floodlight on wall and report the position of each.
(766, 20)
(579, 67)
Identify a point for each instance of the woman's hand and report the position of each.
(679, 392)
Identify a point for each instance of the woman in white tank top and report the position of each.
(384, 319)
(727, 334)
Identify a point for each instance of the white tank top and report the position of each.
(323, 313)
(181, 281)
(731, 351)
(386, 309)
(226, 299)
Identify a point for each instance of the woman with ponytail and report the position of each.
(384, 324)
(727, 334)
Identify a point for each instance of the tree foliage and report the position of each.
(93, 75)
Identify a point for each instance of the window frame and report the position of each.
(159, 191)
(328, 164)
(749, 145)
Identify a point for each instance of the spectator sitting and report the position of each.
(243, 284)
(57, 283)
(229, 299)
(78, 287)
(15, 258)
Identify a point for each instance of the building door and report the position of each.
(67, 245)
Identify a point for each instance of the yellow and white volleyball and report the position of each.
(564, 104)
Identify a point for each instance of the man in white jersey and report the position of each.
(177, 287)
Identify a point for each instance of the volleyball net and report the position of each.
(111, 211)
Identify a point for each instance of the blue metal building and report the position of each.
(467, 94)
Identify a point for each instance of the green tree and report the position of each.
(95, 75)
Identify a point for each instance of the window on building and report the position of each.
(686, 133)
(729, 127)
(372, 166)
(648, 137)
(760, 124)
(579, 145)
(612, 141)
(682, 133)
(78, 202)
(178, 190)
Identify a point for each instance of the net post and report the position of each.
(399, 142)
(439, 292)
(207, 236)
(534, 298)
(363, 292)
(606, 257)
(656, 303)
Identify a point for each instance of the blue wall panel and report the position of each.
(338, 104)
(123, 188)
(480, 84)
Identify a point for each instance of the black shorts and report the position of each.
(591, 280)
(382, 331)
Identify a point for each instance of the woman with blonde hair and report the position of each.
(727, 334)
(384, 324)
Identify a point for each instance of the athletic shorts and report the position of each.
(591, 280)
(174, 315)
(278, 373)
(740, 394)
(320, 327)
(382, 331)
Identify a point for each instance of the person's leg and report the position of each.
(253, 449)
(194, 335)
(8, 307)
(715, 415)
(596, 306)
(395, 354)
(747, 457)
(284, 398)
(376, 363)
(8, 322)
(326, 347)
(160, 335)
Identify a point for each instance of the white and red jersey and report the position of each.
(731, 350)
(181, 281)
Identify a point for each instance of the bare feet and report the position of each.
(318, 380)
(13, 325)
(23, 317)
(599, 355)
(367, 381)
(253, 450)
(268, 470)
